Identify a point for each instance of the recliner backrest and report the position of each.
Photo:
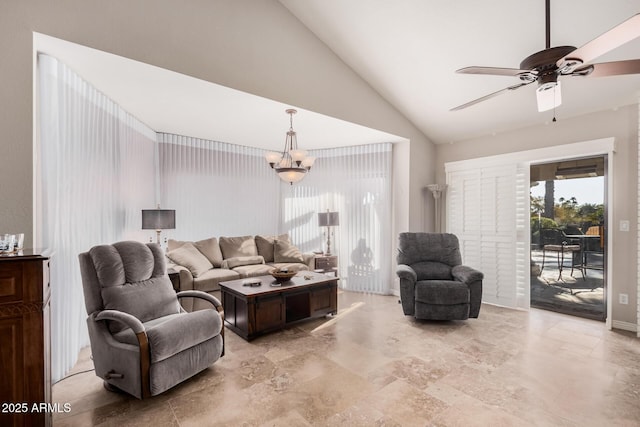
(434, 247)
(129, 277)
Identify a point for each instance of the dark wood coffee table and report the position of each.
(254, 311)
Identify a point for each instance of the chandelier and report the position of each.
(292, 164)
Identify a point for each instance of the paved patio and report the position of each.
(568, 293)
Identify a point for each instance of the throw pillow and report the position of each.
(242, 260)
(174, 244)
(286, 252)
(265, 245)
(233, 247)
(211, 249)
(189, 256)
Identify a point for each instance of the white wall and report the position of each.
(622, 125)
(254, 46)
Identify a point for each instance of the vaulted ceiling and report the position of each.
(408, 51)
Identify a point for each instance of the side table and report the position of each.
(326, 264)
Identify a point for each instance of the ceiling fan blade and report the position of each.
(604, 69)
(491, 95)
(615, 37)
(494, 71)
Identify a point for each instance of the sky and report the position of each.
(585, 190)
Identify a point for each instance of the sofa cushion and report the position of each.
(174, 244)
(210, 280)
(208, 247)
(432, 270)
(253, 270)
(286, 252)
(232, 263)
(233, 247)
(291, 266)
(265, 245)
(189, 256)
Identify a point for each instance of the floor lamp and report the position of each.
(328, 219)
(436, 191)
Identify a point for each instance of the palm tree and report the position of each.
(548, 199)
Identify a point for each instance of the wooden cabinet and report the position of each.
(25, 350)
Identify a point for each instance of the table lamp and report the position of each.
(158, 219)
(328, 219)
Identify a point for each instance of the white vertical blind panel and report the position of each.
(220, 189)
(356, 182)
(96, 173)
(217, 189)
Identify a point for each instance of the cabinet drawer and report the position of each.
(270, 313)
(11, 282)
(326, 263)
(323, 300)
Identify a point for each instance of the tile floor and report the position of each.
(372, 366)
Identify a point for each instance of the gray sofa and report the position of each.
(204, 264)
(433, 282)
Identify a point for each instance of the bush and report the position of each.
(546, 223)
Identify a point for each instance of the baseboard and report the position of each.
(625, 326)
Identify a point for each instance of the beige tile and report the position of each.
(371, 365)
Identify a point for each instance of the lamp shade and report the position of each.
(158, 219)
(328, 219)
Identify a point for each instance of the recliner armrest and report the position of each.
(202, 295)
(405, 272)
(131, 321)
(466, 274)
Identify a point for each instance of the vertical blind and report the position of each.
(220, 189)
(356, 182)
(217, 189)
(96, 172)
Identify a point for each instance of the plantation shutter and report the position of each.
(487, 208)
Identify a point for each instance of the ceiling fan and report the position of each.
(546, 66)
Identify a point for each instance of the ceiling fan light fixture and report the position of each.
(549, 96)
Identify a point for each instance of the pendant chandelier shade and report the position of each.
(292, 164)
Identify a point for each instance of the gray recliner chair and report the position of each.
(142, 341)
(433, 282)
